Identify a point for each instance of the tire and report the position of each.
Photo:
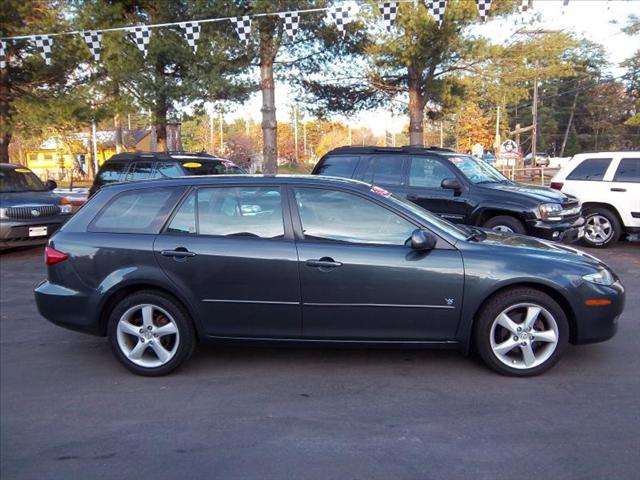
(150, 333)
(602, 227)
(506, 224)
(521, 353)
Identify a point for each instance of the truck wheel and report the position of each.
(602, 227)
(506, 224)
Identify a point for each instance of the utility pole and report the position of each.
(295, 130)
(573, 110)
(221, 119)
(94, 144)
(534, 114)
(211, 130)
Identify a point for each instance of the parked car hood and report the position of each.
(540, 194)
(11, 199)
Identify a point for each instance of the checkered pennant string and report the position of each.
(524, 6)
(388, 10)
(437, 8)
(483, 8)
(342, 13)
(93, 39)
(191, 32)
(3, 54)
(290, 22)
(141, 36)
(43, 45)
(243, 27)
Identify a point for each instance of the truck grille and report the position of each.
(36, 211)
(571, 208)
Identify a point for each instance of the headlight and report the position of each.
(603, 277)
(65, 205)
(550, 211)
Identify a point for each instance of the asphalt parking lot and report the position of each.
(69, 410)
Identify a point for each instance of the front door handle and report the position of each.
(618, 189)
(323, 263)
(179, 252)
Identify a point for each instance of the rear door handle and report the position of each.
(179, 252)
(618, 189)
(323, 263)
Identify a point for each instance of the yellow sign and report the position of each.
(192, 165)
(23, 170)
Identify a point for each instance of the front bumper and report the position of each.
(565, 231)
(15, 233)
(597, 323)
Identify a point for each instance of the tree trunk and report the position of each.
(268, 50)
(416, 108)
(161, 128)
(5, 134)
(119, 141)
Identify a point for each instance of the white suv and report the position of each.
(608, 185)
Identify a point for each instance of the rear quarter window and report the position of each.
(111, 173)
(137, 211)
(628, 170)
(339, 166)
(591, 169)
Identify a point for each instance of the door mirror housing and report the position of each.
(451, 184)
(51, 185)
(422, 240)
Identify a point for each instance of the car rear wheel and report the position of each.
(602, 227)
(521, 332)
(150, 333)
(505, 224)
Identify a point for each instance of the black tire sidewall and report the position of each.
(503, 300)
(506, 220)
(181, 318)
(613, 220)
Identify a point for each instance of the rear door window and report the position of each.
(137, 211)
(111, 172)
(339, 166)
(428, 172)
(591, 169)
(385, 170)
(628, 171)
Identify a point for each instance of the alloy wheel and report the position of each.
(503, 229)
(598, 229)
(524, 336)
(147, 335)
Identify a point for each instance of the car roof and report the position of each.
(399, 150)
(195, 180)
(604, 154)
(10, 166)
(165, 156)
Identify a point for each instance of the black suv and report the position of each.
(460, 188)
(127, 167)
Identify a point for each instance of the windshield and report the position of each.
(19, 180)
(459, 232)
(206, 166)
(477, 171)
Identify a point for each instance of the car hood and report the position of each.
(12, 199)
(534, 246)
(540, 194)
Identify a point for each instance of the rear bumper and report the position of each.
(66, 308)
(567, 232)
(597, 323)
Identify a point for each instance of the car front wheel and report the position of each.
(505, 224)
(150, 333)
(521, 332)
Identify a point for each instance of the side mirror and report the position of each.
(51, 185)
(422, 240)
(451, 184)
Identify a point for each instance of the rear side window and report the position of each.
(168, 169)
(137, 211)
(591, 169)
(111, 172)
(338, 166)
(628, 171)
(231, 211)
(384, 170)
(140, 171)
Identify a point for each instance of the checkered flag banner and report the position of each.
(243, 27)
(3, 54)
(388, 10)
(524, 6)
(437, 8)
(43, 45)
(342, 13)
(191, 32)
(94, 40)
(483, 8)
(291, 20)
(141, 36)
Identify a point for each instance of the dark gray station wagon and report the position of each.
(159, 265)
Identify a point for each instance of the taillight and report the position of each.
(53, 256)
(556, 185)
